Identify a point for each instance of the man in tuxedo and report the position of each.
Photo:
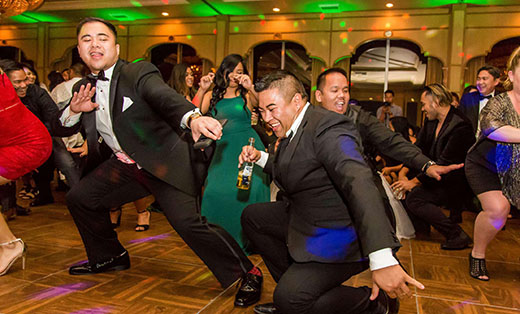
(135, 127)
(471, 104)
(332, 93)
(328, 226)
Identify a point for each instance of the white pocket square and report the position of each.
(127, 102)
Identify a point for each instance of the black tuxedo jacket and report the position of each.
(148, 130)
(450, 147)
(40, 103)
(377, 137)
(469, 105)
(335, 212)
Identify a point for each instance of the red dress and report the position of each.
(25, 143)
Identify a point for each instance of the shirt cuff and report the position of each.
(263, 159)
(69, 119)
(186, 116)
(381, 259)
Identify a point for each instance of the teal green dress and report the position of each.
(222, 201)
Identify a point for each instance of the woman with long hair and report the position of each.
(182, 80)
(232, 98)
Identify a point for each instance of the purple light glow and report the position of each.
(95, 310)
(148, 239)
(79, 263)
(61, 290)
(460, 305)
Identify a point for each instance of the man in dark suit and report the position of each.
(445, 137)
(137, 146)
(39, 102)
(471, 104)
(328, 226)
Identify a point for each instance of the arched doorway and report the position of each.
(407, 75)
(13, 53)
(290, 56)
(166, 56)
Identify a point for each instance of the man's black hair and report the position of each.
(96, 19)
(494, 71)
(10, 65)
(321, 78)
(274, 78)
(389, 91)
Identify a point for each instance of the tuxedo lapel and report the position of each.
(115, 108)
(284, 161)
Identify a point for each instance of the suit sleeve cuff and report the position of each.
(69, 119)
(381, 259)
(263, 159)
(184, 121)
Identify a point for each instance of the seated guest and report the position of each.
(456, 100)
(399, 125)
(445, 137)
(328, 226)
(492, 168)
(469, 89)
(24, 145)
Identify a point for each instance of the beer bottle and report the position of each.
(245, 173)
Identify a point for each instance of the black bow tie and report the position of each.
(99, 77)
(485, 97)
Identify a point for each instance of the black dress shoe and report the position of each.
(266, 308)
(250, 290)
(38, 201)
(22, 211)
(383, 304)
(120, 262)
(460, 242)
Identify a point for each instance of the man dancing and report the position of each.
(137, 146)
(328, 226)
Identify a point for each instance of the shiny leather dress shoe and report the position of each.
(461, 242)
(383, 304)
(38, 201)
(120, 262)
(266, 308)
(249, 291)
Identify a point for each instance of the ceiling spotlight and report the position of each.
(389, 5)
(165, 14)
(276, 9)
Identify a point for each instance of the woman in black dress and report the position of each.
(492, 167)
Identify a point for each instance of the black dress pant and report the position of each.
(114, 183)
(43, 178)
(309, 287)
(423, 207)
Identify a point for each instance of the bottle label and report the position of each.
(248, 170)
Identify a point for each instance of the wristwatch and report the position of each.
(427, 165)
(192, 117)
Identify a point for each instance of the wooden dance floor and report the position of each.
(166, 277)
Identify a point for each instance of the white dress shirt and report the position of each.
(379, 259)
(481, 104)
(104, 120)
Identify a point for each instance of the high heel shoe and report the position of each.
(22, 254)
(118, 223)
(477, 268)
(141, 228)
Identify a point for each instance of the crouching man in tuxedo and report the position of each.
(137, 146)
(330, 223)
